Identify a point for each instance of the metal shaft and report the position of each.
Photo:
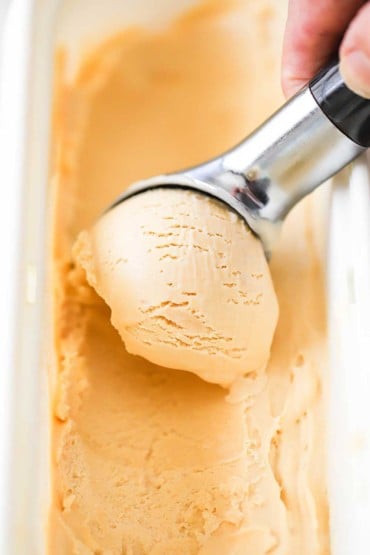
(291, 154)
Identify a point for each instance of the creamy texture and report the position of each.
(187, 282)
(154, 461)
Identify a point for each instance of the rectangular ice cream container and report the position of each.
(33, 29)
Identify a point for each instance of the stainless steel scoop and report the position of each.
(313, 136)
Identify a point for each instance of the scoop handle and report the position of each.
(314, 135)
(348, 111)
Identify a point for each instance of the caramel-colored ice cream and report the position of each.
(187, 282)
(149, 460)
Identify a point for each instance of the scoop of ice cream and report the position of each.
(187, 283)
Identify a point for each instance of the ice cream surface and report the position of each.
(148, 460)
(187, 282)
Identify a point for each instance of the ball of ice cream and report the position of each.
(187, 283)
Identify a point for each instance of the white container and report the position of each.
(33, 28)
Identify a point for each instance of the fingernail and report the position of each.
(355, 70)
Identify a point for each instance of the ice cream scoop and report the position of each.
(313, 136)
(187, 282)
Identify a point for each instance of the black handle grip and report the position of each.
(348, 111)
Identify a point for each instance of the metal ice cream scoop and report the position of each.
(314, 135)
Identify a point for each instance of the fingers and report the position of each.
(355, 53)
(313, 32)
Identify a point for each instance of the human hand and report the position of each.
(315, 30)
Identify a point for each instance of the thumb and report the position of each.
(355, 53)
